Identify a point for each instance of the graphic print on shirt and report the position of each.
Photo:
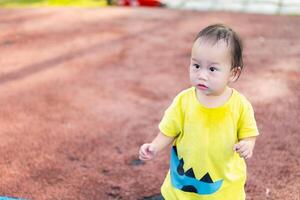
(186, 181)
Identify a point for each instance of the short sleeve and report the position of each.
(170, 125)
(247, 125)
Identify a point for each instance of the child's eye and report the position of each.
(196, 66)
(213, 69)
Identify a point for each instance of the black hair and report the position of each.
(218, 32)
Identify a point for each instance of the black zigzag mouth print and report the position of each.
(186, 181)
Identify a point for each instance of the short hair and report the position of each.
(218, 32)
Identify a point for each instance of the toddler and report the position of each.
(210, 125)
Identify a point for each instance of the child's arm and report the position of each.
(149, 150)
(245, 147)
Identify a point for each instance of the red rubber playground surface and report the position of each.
(82, 89)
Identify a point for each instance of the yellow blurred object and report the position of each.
(41, 3)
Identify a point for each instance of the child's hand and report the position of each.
(147, 152)
(245, 147)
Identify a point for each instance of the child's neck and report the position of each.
(213, 101)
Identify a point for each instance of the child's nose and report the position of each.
(202, 74)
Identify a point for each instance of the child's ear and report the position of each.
(235, 73)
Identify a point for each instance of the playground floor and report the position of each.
(82, 89)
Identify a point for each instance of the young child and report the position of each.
(211, 125)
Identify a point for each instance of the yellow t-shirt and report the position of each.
(203, 164)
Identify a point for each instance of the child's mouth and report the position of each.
(202, 87)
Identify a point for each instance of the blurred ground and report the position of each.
(82, 89)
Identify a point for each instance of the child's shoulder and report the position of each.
(241, 99)
(188, 92)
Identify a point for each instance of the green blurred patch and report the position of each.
(38, 3)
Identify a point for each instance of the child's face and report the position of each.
(210, 68)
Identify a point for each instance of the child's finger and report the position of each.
(144, 148)
(242, 149)
(145, 157)
(245, 154)
(248, 156)
(142, 157)
(144, 152)
(237, 146)
(240, 146)
(150, 149)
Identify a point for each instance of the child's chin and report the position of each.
(207, 92)
(203, 90)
